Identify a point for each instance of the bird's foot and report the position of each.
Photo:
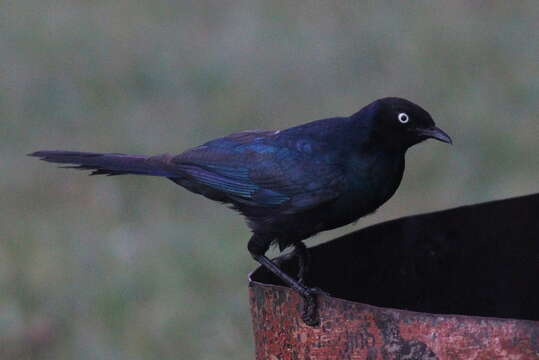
(310, 306)
(309, 314)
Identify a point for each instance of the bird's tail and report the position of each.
(111, 164)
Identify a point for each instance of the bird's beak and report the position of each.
(435, 133)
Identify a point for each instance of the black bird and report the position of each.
(289, 184)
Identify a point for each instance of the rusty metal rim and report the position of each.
(403, 311)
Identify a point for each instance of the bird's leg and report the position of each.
(258, 246)
(304, 263)
(304, 260)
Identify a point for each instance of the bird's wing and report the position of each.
(252, 169)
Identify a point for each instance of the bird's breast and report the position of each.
(371, 182)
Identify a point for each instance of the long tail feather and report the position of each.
(110, 164)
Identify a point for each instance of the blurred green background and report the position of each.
(138, 268)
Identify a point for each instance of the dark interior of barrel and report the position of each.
(475, 260)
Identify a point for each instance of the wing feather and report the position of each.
(261, 173)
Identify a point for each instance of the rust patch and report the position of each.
(350, 330)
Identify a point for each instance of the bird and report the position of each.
(289, 184)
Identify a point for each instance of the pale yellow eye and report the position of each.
(403, 118)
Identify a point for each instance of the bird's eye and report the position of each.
(403, 118)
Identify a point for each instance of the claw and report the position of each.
(310, 306)
(310, 313)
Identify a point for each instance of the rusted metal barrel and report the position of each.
(456, 284)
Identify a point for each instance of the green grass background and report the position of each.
(138, 268)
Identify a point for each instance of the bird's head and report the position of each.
(400, 123)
